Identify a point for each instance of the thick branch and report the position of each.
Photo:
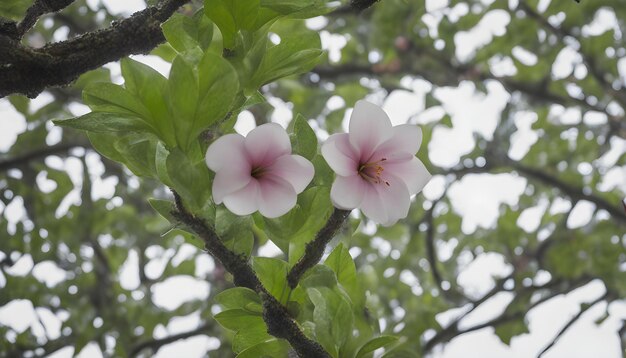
(29, 71)
(279, 323)
(361, 5)
(237, 265)
(315, 249)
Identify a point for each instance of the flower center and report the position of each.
(372, 172)
(258, 172)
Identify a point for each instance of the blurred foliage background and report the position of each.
(73, 222)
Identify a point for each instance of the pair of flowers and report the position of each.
(375, 166)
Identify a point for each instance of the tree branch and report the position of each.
(24, 158)
(575, 193)
(155, 344)
(570, 190)
(279, 323)
(29, 71)
(33, 13)
(570, 323)
(453, 330)
(315, 249)
(431, 252)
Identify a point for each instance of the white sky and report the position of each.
(475, 197)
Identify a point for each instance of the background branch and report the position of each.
(40, 153)
(155, 344)
(39, 8)
(573, 320)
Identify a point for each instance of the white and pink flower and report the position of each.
(258, 172)
(375, 163)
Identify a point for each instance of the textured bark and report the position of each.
(315, 249)
(279, 322)
(29, 71)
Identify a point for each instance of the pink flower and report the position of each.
(258, 172)
(375, 163)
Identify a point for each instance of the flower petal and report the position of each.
(294, 169)
(386, 204)
(246, 200)
(339, 154)
(412, 172)
(372, 205)
(406, 139)
(277, 197)
(265, 143)
(348, 192)
(369, 127)
(226, 150)
(229, 180)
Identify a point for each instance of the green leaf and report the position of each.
(235, 231)
(175, 34)
(510, 329)
(101, 74)
(164, 208)
(109, 97)
(342, 264)
(319, 276)
(249, 326)
(298, 52)
(135, 150)
(293, 230)
(190, 180)
(238, 297)
(298, 8)
(273, 275)
(231, 16)
(102, 122)
(324, 175)
(150, 87)
(236, 319)
(304, 140)
(186, 33)
(183, 100)
(254, 333)
(271, 348)
(333, 318)
(218, 87)
(374, 344)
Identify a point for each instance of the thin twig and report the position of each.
(570, 323)
(39, 8)
(155, 344)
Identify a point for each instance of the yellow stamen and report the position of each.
(378, 171)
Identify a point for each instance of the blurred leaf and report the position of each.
(304, 140)
(374, 344)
